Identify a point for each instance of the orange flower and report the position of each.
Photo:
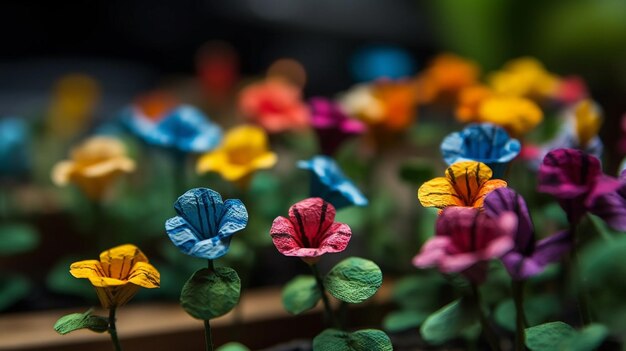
(275, 105)
(525, 77)
(447, 74)
(465, 184)
(399, 100)
(469, 101)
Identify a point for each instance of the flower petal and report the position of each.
(568, 173)
(234, 218)
(284, 236)
(118, 261)
(211, 248)
(440, 193)
(145, 275)
(483, 142)
(487, 188)
(187, 129)
(336, 238)
(202, 208)
(87, 269)
(467, 178)
(611, 208)
(312, 218)
(503, 200)
(181, 233)
(432, 251)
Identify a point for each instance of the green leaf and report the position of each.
(232, 346)
(301, 294)
(403, 320)
(75, 321)
(12, 289)
(354, 280)
(538, 309)
(360, 340)
(419, 292)
(548, 336)
(209, 294)
(590, 338)
(448, 322)
(17, 238)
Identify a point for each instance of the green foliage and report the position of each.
(537, 309)
(448, 322)
(12, 289)
(17, 238)
(61, 281)
(301, 294)
(75, 321)
(403, 320)
(416, 171)
(354, 280)
(360, 340)
(209, 294)
(556, 336)
(232, 346)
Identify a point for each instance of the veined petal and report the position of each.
(234, 218)
(503, 200)
(467, 178)
(336, 238)
(312, 218)
(211, 248)
(568, 173)
(487, 188)
(118, 261)
(145, 275)
(440, 193)
(285, 236)
(87, 269)
(182, 234)
(104, 282)
(203, 209)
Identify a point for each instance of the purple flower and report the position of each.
(465, 239)
(528, 257)
(332, 124)
(575, 179)
(611, 207)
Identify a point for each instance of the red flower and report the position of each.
(310, 231)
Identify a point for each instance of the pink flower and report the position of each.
(275, 105)
(310, 231)
(465, 239)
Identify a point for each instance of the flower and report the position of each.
(611, 206)
(575, 179)
(310, 231)
(447, 74)
(118, 275)
(515, 114)
(469, 100)
(332, 125)
(74, 100)
(184, 128)
(528, 257)
(243, 151)
(94, 165)
(465, 239)
(329, 183)
(571, 90)
(465, 184)
(205, 223)
(524, 77)
(14, 146)
(275, 105)
(361, 102)
(485, 143)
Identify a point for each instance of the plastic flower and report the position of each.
(275, 105)
(469, 101)
(465, 184)
(525, 77)
(184, 128)
(517, 115)
(611, 207)
(332, 124)
(447, 74)
(329, 183)
(575, 179)
(118, 275)
(94, 165)
(14, 145)
(484, 143)
(465, 239)
(243, 151)
(310, 231)
(528, 257)
(205, 223)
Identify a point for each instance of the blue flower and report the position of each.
(331, 184)
(14, 143)
(205, 224)
(484, 143)
(184, 128)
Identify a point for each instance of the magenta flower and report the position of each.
(465, 239)
(575, 179)
(611, 207)
(310, 231)
(528, 257)
(332, 125)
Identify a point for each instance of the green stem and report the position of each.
(583, 306)
(328, 311)
(113, 330)
(520, 316)
(490, 335)
(208, 337)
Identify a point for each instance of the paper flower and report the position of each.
(571, 90)
(515, 114)
(525, 77)
(484, 143)
(465, 239)
(361, 102)
(275, 105)
(118, 275)
(469, 101)
(611, 206)
(332, 124)
(184, 128)
(14, 147)
(243, 151)
(528, 257)
(465, 184)
(329, 183)
(575, 179)
(310, 231)
(205, 223)
(94, 165)
(447, 74)
(74, 100)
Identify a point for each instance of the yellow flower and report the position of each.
(515, 114)
(447, 74)
(465, 184)
(94, 165)
(588, 121)
(74, 100)
(118, 275)
(469, 102)
(244, 150)
(524, 77)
